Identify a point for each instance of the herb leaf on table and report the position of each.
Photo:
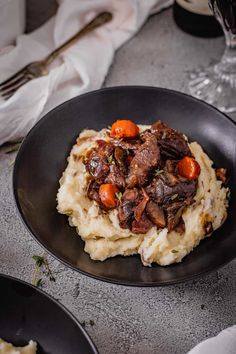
(42, 270)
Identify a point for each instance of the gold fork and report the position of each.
(40, 68)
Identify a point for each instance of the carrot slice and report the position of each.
(189, 168)
(107, 194)
(124, 129)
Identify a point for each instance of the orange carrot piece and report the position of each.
(189, 168)
(124, 129)
(107, 194)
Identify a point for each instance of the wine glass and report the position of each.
(217, 84)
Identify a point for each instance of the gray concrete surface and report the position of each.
(168, 320)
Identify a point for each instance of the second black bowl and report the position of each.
(27, 313)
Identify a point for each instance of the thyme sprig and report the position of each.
(110, 159)
(164, 135)
(158, 172)
(13, 148)
(174, 196)
(42, 270)
(118, 195)
(11, 163)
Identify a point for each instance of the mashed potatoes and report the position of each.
(8, 348)
(101, 231)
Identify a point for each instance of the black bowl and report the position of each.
(42, 159)
(28, 313)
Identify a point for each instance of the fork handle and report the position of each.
(98, 21)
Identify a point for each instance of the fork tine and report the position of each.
(8, 93)
(11, 83)
(7, 97)
(13, 77)
(15, 86)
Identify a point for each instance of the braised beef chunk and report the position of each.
(174, 212)
(170, 165)
(180, 227)
(139, 209)
(104, 148)
(116, 176)
(163, 131)
(146, 135)
(120, 156)
(125, 214)
(173, 148)
(144, 169)
(158, 190)
(145, 159)
(128, 144)
(97, 165)
(155, 214)
(221, 175)
(97, 160)
(171, 142)
(131, 195)
(142, 226)
(162, 192)
(171, 179)
(126, 207)
(185, 189)
(92, 191)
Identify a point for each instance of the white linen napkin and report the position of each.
(81, 68)
(223, 343)
(12, 20)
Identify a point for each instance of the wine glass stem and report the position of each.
(226, 68)
(230, 48)
(217, 83)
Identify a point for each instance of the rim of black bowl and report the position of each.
(60, 259)
(57, 303)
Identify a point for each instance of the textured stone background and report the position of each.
(168, 320)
